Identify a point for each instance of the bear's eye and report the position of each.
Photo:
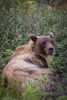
(52, 42)
(43, 44)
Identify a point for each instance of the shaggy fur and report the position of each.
(30, 60)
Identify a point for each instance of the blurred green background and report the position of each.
(21, 18)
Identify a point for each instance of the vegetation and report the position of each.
(17, 22)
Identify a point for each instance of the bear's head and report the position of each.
(43, 44)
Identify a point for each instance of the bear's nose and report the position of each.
(51, 50)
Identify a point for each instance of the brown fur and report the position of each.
(30, 61)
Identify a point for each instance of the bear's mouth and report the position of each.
(51, 51)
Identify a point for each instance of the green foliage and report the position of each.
(8, 98)
(57, 92)
(34, 91)
(16, 25)
(31, 91)
(11, 91)
(64, 97)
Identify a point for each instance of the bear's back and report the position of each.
(24, 49)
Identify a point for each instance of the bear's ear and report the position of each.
(33, 38)
(51, 35)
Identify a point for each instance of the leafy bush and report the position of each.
(58, 89)
(16, 26)
(47, 89)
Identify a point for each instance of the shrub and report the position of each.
(57, 85)
(16, 26)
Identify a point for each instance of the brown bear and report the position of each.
(31, 61)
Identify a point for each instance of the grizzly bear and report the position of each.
(31, 61)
